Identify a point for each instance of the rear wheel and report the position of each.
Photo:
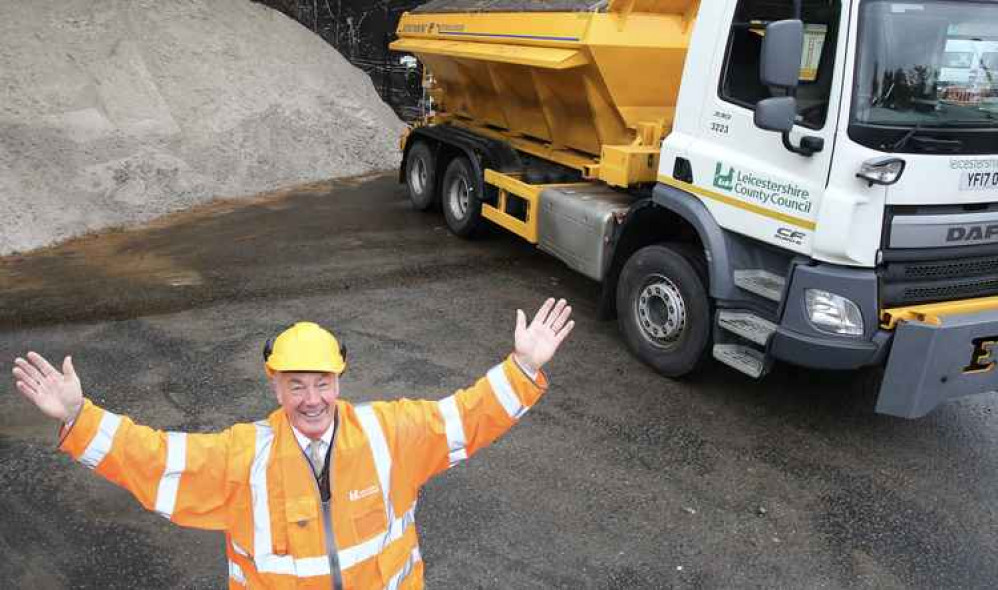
(663, 309)
(461, 197)
(420, 176)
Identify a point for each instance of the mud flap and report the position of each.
(931, 364)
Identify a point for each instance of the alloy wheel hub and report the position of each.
(661, 311)
(459, 198)
(418, 176)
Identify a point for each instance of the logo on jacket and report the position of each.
(355, 495)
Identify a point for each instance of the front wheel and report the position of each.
(663, 309)
(461, 197)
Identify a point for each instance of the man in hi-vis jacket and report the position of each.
(322, 493)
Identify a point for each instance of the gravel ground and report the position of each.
(618, 479)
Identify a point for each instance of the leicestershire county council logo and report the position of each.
(724, 181)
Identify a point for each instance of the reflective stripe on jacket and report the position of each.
(253, 482)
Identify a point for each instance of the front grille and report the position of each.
(910, 283)
(944, 270)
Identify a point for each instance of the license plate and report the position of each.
(979, 181)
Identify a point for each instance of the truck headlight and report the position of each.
(833, 313)
(884, 171)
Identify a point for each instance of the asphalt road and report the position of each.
(617, 479)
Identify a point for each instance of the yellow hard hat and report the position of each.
(304, 346)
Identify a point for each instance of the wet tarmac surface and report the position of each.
(617, 479)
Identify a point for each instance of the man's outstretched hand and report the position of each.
(536, 344)
(57, 395)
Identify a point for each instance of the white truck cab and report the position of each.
(809, 181)
(884, 227)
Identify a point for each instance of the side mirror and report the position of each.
(776, 114)
(779, 65)
(781, 53)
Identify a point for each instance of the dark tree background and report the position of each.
(361, 30)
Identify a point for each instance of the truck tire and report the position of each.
(420, 176)
(663, 309)
(460, 197)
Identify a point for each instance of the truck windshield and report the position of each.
(927, 70)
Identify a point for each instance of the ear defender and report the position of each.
(268, 348)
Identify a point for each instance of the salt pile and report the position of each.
(113, 112)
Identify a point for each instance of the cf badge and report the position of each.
(791, 236)
(981, 360)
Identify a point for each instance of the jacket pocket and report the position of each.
(369, 520)
(304, 527)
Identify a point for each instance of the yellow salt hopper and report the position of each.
(592, 90)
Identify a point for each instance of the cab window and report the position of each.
(740, 82)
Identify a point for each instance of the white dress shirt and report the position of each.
(327, 439)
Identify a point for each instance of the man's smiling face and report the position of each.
(308, 399)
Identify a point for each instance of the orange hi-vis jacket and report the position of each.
(253, 481)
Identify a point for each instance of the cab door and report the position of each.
(745, 176)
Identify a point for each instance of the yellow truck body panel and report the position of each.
(561, 85)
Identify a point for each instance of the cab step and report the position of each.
(741, 357)
(761, 282)
(747, 325)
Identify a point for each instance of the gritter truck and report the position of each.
(813, 182)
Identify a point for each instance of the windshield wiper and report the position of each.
(932, 144)
(989, 123)
(928, 144)
(904, 138)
